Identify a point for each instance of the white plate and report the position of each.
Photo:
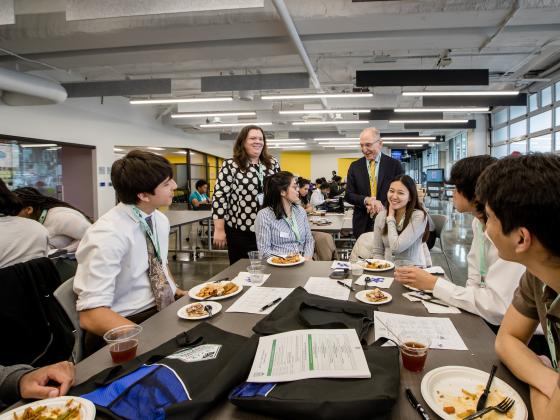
(87, 410)
(450, 380)
(361, 296)
(182, 313)
(196, 289)
(391, 265)
(301, 261)
(417, 290)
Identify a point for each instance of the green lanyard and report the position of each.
(482, 264)
(260, 176)
(151, 234)
(549, 336)
(43, 216)
(292, 223)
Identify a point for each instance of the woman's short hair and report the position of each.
(240, 156)
(139, 172)
(200, 183)
(10, 204)
(273, 187)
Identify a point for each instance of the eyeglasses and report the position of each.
(370, 145)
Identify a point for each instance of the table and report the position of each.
(179, 218)
(475, 333)
(336, 219)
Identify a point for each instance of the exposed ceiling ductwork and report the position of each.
(20, 89)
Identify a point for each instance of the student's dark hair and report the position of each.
(523, 191)
(411, 206)
(273, 187)
(200, 183)
(337, 178)
(302, 182)
(240, 156)
(10, 204)
(139, 172)
(325, 185)
(319, 181)
(30, 197)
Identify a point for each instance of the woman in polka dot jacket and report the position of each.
(238, 193)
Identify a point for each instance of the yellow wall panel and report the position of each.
(176, 159)
(298, 163)
(343, 165)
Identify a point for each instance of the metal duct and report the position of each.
(20, 89)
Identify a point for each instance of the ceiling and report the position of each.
(77, 40)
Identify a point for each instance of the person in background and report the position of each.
(520, 194)
(333, 175)
(335, 187)
(281, 226)
(486, 293)
(303, 191)
(320, 195)
(65, 223)
(400, 230)
(21, 239)
(368, 181)
(238, 194)
(25, 382)
(199, 195)
(122, 276)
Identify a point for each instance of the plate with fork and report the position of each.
(199, 310)
(453, 391)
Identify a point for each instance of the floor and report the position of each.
(456, 238)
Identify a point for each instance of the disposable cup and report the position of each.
(123, 342)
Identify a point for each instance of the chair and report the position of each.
(65, 295)
(439, 222)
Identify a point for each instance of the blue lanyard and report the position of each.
(151, 234)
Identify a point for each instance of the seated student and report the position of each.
(399, 230)
(486, 292)
(521, 197)
(320, 195)
(335, 187)
(65, 223)
(23, 381)
(122, 276)
(303, 191)
(281, 226)
(20, 239)
(200, 195)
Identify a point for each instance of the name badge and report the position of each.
(260, 198)
(284, 235)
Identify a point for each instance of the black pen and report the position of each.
(345, 285)
(274, 302)
(414, 403)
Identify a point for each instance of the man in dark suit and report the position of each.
(368, 181)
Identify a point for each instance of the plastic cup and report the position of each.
(255, 258)
(356, 267)
(403, 263)
(123, 342)
(322, 213)
(256, 275)
(414, 351)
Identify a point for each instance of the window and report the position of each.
(546, 96)
(558, 91)
(557, 116)
(557, 141)
(500, 117)
(540, 122)
(517, 111)
(499, 151)
(541, 144)
(500, 135)
(518, 146)
(518, 129)
(533, 102)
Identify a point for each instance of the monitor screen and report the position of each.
(396, 154)
(434, 175)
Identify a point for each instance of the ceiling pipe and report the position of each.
(20, 89)
(501, 26)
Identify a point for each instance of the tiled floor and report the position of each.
(456, 239)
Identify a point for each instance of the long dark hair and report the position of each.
(240, 156)
(10, 204)
(30, 197)
(273, 187)
(412, 205)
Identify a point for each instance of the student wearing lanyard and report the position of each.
(281, 226)
(485, 292)
(521, 200)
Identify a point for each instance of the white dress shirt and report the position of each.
(317, 198)
(113, 262)
(492, 301)
(66, 228)
(21, 240)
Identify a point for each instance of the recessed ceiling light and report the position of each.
(465, 109)
(155, 148)
(179, 100)
(428, 121)
(317, 96)
(38, 145)
(217, 125)
(214, 114)
(324, 111)
(333, 122)
(465, 93)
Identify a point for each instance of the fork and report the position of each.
(503, 407)
(208, 308)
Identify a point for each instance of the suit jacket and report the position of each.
(358, 188)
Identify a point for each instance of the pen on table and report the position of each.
(268, 305)
(345, 285)
(414, 403)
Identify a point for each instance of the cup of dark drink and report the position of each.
(414, 351)
(123, 342)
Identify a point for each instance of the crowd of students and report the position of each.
(123, 278)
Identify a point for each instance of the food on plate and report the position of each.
(196, 310)
(290, 259)
(217, 289)
(68, 411)
(377, 265)
(376, 295)
(464, 404)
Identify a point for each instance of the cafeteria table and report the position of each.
(478, 338)
(336, 219)
(179, 218)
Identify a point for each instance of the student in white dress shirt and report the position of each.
(21, 239)
(491, 281)
(320, 194)
(65, 223)
(112, 281)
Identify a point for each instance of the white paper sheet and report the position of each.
(323, 286)
(252, 301)
(378, 281)
(340, 264)
(443, 333)
(243, 279)
(433, 308)
(303, 354)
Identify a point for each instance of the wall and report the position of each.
(104, 125)
(478, 139)
(298, 163)
(78, 190)
(322, 164)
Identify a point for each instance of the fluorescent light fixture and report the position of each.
(287, 147)
(317, 96)
(39, 145)
(334, 143)
(333, 122)
(281, 140)
(335, 138)
(465, 93)
(428, 121)
(465, 109)
(272, 144)
(408, 138)
(54, 148)
(214, 114)
(413, 145)
(179, 100)
(155, 148)
(116, 149)
(181, 152)
(409, 142)
(324, 111)
(217, 125)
